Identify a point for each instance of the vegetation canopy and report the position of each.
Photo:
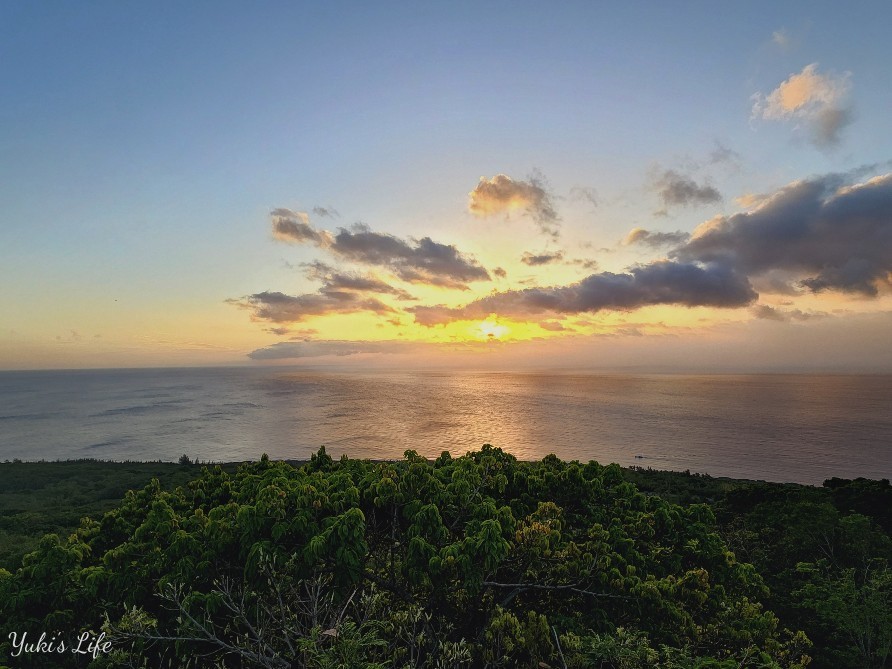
(475, 561)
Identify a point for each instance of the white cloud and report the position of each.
(819, 101)
(781, 38)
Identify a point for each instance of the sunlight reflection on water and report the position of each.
(777, 427)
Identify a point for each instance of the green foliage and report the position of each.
(473, 561)
(38, 498)
(855, 605)
(800, 537)
(868, 498)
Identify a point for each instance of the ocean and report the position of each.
(801, 428)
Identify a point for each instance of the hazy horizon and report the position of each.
(376, 364)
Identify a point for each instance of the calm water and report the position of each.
(801, 428)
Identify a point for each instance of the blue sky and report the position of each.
(144, 146)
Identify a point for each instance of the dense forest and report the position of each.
(473, 561)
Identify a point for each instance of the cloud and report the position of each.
(676, 189)
(414, 261)
(281, 308)
(72, 337)
(334, 280)
(552, 326)
(544, 258)
(583, 193)
(819, 101)
(722, 154)
(504, 195)
(831, 235)
(339, 348)
(588, 264)
(294, 226)
(417, 261)
(500, 272)
(341, 293)
(766, 312)
(777, 282)
(642, 237)
(296, 335)
(348, 348)
(749, 200)
(326, 212)
(662, 282)
(781, 38)
(826, 233)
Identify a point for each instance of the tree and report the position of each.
(855, 605)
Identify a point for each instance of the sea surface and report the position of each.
(802, 428)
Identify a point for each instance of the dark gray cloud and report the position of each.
(769, 313)
(832, 236)
(544, 258)
(281, 308)
(820, 232)
(334, 280)
(326, 212)
(663, 282)
(828, 124)
(503, 195)
(294, 226)
(584, 194)
(588, 264)
(500, 272)
(415, 261)
(676, 189)
(642, 237)
(550, 258)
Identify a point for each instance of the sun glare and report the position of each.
(489, 330)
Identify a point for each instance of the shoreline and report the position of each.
(298, 462)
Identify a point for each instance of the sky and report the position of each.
(471, 185)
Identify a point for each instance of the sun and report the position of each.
(489, 330)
